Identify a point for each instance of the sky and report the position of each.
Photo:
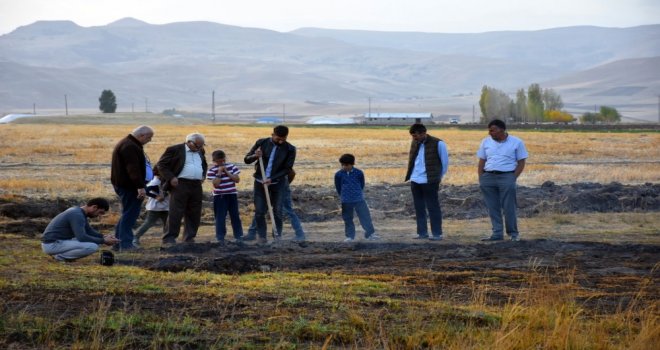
(438, 16)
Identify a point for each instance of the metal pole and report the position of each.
(66, 105)
(213, 106)
(270, 206)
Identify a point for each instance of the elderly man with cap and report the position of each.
(182, 169)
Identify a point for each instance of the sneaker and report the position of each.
(435, 238)
(136, 243)
(60, 259)
(491, 239)
(298, 239)
(167, 244)
(373, 237)
(349, 239)
(515, 239)
(421, 237)
(221, 242)
(250, 237)
(262, 240)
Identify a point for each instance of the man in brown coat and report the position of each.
(129, 173)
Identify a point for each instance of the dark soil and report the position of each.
(29, 216)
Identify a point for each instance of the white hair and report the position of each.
(142, 130)
(195, 137)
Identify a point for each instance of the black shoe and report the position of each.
(492, 239)
(421, 237)
(435, 238)
(250, 237)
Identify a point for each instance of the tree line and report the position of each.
(536, 105)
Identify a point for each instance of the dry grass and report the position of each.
(46, 159)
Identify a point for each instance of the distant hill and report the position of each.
(179, 64)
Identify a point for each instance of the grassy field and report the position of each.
(43, 160)
(44, 304)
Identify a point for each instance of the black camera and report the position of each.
(107, 258)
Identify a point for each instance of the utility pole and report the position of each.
(213, 106)
(66, 105)
(369, 115)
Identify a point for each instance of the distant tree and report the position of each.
(551, 100)
(535, 103)
(494, 103)
(520, 112)
(557, 116)
(610, 114)
(590, 118)
(107, 102)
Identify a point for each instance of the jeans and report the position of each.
(131, 206)
(261, 205)
(150, 221)
(185, 202)
(425, 198)
(285, 210)
(363, 214)
(70, 249)
(499, 191)
(223, 204)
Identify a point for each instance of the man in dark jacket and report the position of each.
(182, 169)
(428, 162)
(130, 172)
(278, 158)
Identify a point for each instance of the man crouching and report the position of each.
(69, 236)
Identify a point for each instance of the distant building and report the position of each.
(397, 118)
(329, 120)
(269, 120)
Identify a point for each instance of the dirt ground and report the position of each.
(615, 271)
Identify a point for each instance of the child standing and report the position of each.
(349, 182)
(225, 196)
(158, 206)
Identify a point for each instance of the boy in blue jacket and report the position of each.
(349, 182)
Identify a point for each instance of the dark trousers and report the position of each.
(499, 192)
(363, 214)
(150, 220)
(130, 210)
(185, 203)
(261, 206)
(425, 198)
(223, 204)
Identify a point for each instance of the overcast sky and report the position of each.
(442, 16)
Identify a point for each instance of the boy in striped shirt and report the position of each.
(224, 177)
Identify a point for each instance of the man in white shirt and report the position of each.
(501, 160)
(183, 169)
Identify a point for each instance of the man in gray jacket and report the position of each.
(69, 236)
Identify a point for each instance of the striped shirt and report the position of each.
(226, 185)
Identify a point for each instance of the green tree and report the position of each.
(494, 103)
(590, 118)
(551, 100)
(535, 103)
(483, 100)
(520, 112)
(107, 102)
(610, 114)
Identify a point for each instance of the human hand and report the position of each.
(141, 192)
(110, 239)
(258, 153)
(174, 182)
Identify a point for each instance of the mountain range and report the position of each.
(316, 71)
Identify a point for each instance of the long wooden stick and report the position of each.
(270, 206)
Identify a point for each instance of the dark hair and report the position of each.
(500, 124)
(347, 159)
(281, 131)
(101, 203)
(218, 154)
(417, 128)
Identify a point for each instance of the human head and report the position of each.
(96, 207)
(418, 132)
(218, 156)
(347, 161)
(280, 134)
(497, 130)
(143, 134)
(195, 141)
